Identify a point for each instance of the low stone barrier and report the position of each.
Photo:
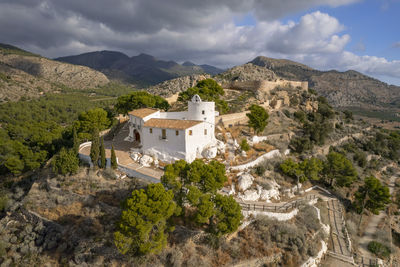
(269, 155)
(275, 215)
(133, 173)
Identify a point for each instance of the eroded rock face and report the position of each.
(170, 87)
(245, 181)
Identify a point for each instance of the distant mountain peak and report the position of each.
(143, 69)
(144, 56)
(268, 62)
(188, 64)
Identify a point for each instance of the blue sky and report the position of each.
(324, 34)
(374, 27)
(374, 24)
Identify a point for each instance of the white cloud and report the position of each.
(396, 45)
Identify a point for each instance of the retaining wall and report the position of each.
(269, 155)
(276, 215)
(133, 173)
(232, 119)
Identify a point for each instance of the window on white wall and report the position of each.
(176, 132)
(205, 131)
(203, 112)
(190, 132)
(151, 130)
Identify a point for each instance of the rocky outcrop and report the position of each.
(245, 180)
(246, 72)
(171, 87)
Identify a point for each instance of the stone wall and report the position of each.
(265, 86)
(229, 120)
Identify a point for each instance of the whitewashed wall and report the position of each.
(174, 115)
(174, 145)
(196, 142)
(195, 111)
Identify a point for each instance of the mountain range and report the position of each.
(142, 70)
(26, 74)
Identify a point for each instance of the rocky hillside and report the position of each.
(343, 89)
(171, 87)
(25, 74)
(246, 72)
(142, 69)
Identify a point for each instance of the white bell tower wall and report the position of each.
(201, 111)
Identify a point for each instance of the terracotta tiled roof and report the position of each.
(142, 112)
(170, 124)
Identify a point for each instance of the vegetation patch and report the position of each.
(379, 249)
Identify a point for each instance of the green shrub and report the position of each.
(287, 113)
(294, 101)
(379, 249)
(244, 145)
(360, 158)
(3, 201)
(260, 170)
(66, 162)
(312, 91)
(300, 116)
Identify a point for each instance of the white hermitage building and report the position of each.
(170, 136)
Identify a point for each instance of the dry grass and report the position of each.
(59, 211)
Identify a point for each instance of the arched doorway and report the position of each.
(137, 136)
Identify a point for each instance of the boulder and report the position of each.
(249, 195)
(235, 144)
(257, 139)
(245, 180)
(210, 152)
(268, 194)
(136, 156)
(220, 146)
(146, 161)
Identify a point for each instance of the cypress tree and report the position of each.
(94, 150)
(114, 164)
(75, 140)
(102, 154)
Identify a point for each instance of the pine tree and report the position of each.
(75, 140)
(102, 154)
(65, 162)
(94, 150)
(114, 164)
(258, 118)
(144, 224)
